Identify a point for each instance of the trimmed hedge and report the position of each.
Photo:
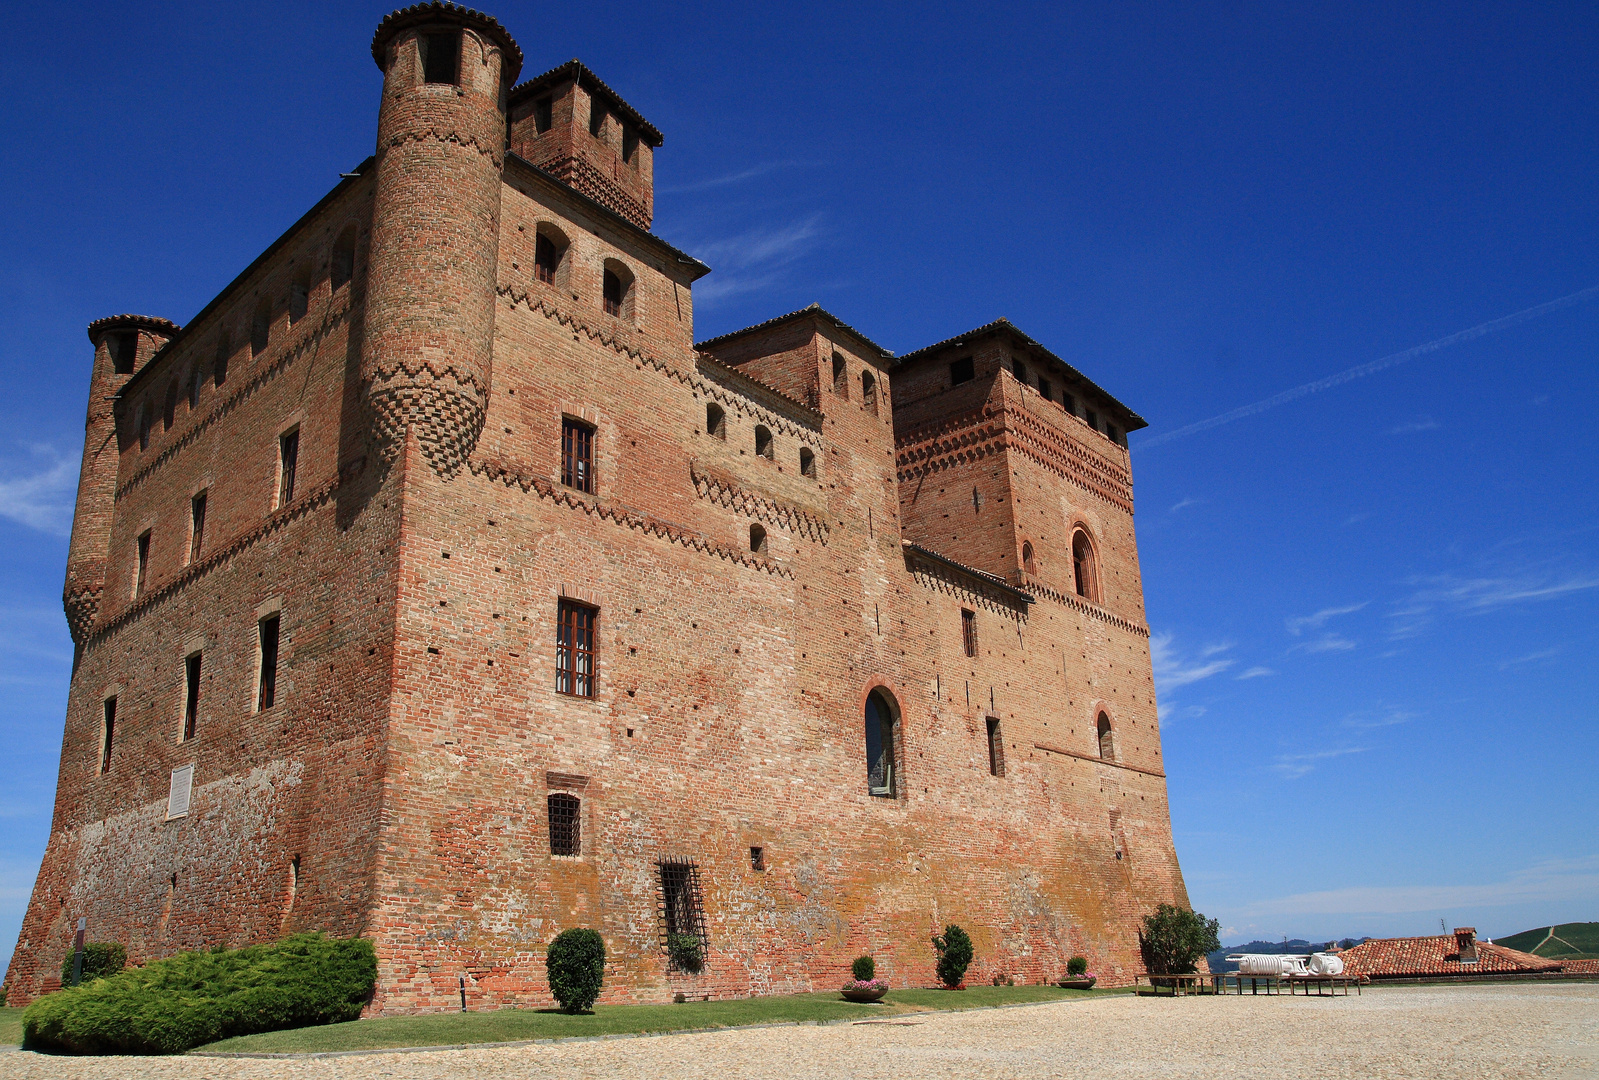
(575, 963)
(172, 1005)
(100, 958)
(954, 955)
(864, 969)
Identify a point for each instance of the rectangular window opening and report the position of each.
(191, 697)
(441, 57)
(682, 909)
(109, 711)
(629, 146)
(596, 118)
(267, 694)
(1045, 391)
(566, 824)
(969, 631)
(196, 526)
(577, 455)
(543, 115)
(961, 371)
(757, 858)
(574, 649)
(288, 463)
(142, 570)
(996, 748)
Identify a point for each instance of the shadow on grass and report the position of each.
(10, 1027)
(518, 1025)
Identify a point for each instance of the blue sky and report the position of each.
(1373, 606)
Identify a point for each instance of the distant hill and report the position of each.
(1572, 941)
(1294, 946)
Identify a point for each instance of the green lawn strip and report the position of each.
(517, 1025)
(10, 1027)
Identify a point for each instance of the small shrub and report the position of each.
(172, 1005)
(100, 958)
(954, 955)
(1173, 940)
(864, 969)
(1076, 966)
(678, 998)
(575, 963)
(686, 951)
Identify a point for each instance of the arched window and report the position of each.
(549, 251)
(261, 327)
(869, 392)
(299, 296)
(840, 377)
(715, 421)
(566, 824)
(1083, 565)
(881, 717)
(1027, 559)
(196, 377)
(758, 539)
(618, 289)
(1107, 743)
(169, 409)
(341, 267)
(763, 441)
(219, 367)
(807, 462)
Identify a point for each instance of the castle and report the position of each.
(432, 584)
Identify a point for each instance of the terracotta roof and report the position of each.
(153, 323)
(1132, 420)
(453, 14)
(1579, 967)
(1425, 957)
(812, 309)
(576, 69)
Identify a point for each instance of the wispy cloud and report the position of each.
(1299, 625)
(1327, 643)
(1293, 766)
(1480, 595)
(1378, 718)
(1186, 502)
(1530, 658)
(1255, 673)
(1551, 882)
(728, 179)
(38, 493)
(1172, 670)
(1426, 423)
(754, 259)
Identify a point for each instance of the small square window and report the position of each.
(757, 858)
(961, 371)
(441, 57)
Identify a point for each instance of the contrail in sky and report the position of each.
(1480, 330)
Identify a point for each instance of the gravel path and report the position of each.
(1550, 1031)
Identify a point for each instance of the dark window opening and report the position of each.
(543, 115)
(124, 349)
(1112, 434)
(109, 712)
(267, 631)
(261, 328)
(715, 421)
(577, 455)
(596, 118)
(169, 409)
(763, 441)
(758, 539)
(962, 371)
(441, 57)
(144, 425)
(1069, 403)
(299, 297)
(574, 649)
(682, 908)
(196, 525)
(342, 265)
(219, 368)
(757, 858)
(807, 462)
(1107, 745)
(1018, 369)
(996, 748)
(969, 631)
(869, 392)
(1027, 559)
(566, 825)
(879, 745)
(196, 377)
(629, 146)
(546, 259)
(288, 464)
(142, 570)
(191, 697)
(613, 293)
(840, 377)
(1083, 565)
(1092, 417)
(1045, 390)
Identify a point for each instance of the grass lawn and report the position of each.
(10, 1027)
(511, 1025)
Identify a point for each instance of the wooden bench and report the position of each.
(1324, 984)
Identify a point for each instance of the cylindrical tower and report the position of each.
(435, 228)
(122, 345)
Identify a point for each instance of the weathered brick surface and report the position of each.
(398, 787)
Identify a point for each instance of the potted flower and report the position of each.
(865, 986)
(1078, 977)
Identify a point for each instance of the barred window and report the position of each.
(681, 908)
(288, 464)
(566, 825)
(577, 455)
(969, 631)
(574, 649)
(614, 293)
(880, 725)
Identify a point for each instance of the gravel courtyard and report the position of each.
(1550, 1031)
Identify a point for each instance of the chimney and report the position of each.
(1466, 943)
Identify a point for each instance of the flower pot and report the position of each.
(864, 996)
(1079, 982)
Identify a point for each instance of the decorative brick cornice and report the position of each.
(511, 476)
(941, 574)
(82, 606)
(725, 491)
(1077, 603)
(495, 154)
(799, 425)
(582, 176)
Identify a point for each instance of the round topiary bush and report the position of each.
(575, 963)
(954, 955)
(1076, 966)
(864, 969)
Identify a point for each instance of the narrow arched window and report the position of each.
(341, 267)
(1027, 559)
(261, 327)
(196, 377)
(758, 539)
(715, 421)
(869, 392)
(566, 824)
(840, 377)
(880, 730)
(1083, 565)
(807, 462)
(300, 296)
(219, 366)
(169, 410)
(763, 441)
(615, 293)
(548, 251)
(1107, 743)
